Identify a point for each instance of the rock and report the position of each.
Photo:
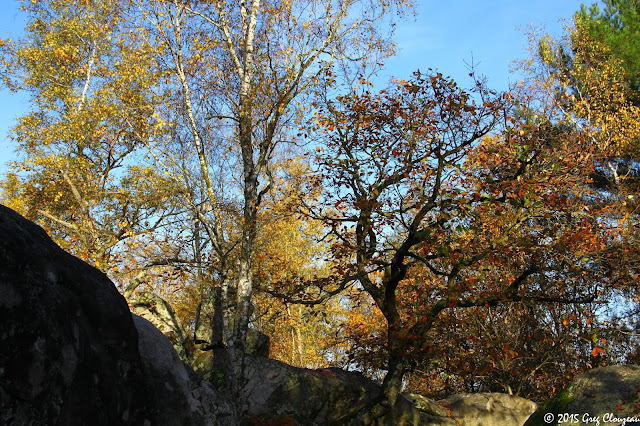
(181, 397)
(405, 412)
(603, 396)
(158, 312)
(277, 392)
(275, 389)
(68, 346)
(70, 353)
(426, 405)
(212, 363)
(203, 364)
(258, 343)
(496, 409)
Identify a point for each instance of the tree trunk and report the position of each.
(251, 174)
(244, 286)
(392, 384)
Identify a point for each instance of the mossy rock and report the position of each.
(559, 404)
(594, 397)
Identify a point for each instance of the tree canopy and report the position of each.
(231, 167)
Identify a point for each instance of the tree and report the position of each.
(237, 71)
(90, 91)
(205, 88)
(592, 84)
(431, 214)
(616, 26)
(588, 82)
(520, 349)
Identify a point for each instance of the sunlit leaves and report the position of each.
(434, 215)
(89, 82)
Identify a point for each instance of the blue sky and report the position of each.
(446, 35)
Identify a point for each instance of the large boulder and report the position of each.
(603, 396)
(180, 396)
(70, 353)
(496, 409)
(276, 390)
(277, 393)
(281, 394)
(212, 363)
(68, 346)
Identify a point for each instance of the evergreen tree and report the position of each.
(617, 26)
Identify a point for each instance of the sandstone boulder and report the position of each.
(212, 363)
(481, 409)
(426, 405)
(281, 394)
(277, 392)
(158, 312)
(180, 396)
(603, 396)
(68, 346)
(70, 353)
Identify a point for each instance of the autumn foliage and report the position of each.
(448, 206)
(236, 162)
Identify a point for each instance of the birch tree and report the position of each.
(202, 97)
(241, 74)
(89, 86)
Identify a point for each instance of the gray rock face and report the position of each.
(257, 343)
(159, 313)
(70, 353)
(281, 394)
(426, 405)
(276, 390)
(212, 364)
(181, 397)
(68, 347)
(481, 409)
(603, 396)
